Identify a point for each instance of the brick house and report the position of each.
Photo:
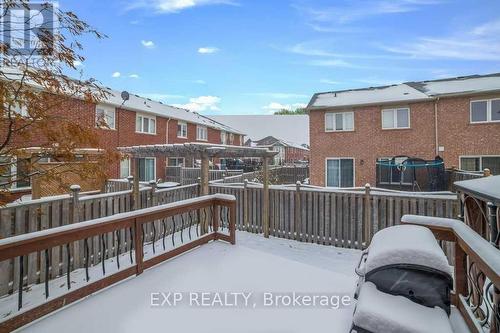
(457, 119)
(140, 121)
(288, 152)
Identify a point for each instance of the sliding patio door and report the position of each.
(340, 172)
(147, 169)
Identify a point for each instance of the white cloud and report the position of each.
(149, 44)
(275, 106)
(134, 76)
(480, 43)
(116, 74)
(328, 81)
(359, 10)
(331, 63)
(77, 63)
(175, 6)
(200, 81)
(202, 103)
(208, 50)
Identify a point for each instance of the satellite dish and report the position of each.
(125, 96)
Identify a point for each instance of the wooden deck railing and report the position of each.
(176, 228)
(477, 272)
(339, 217)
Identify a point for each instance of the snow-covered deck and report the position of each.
(254, 264)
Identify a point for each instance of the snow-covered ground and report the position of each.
(273, 267)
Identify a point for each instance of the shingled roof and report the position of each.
(407, 92)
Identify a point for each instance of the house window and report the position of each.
(485, 111)
(176, 161)
(201, 133)
(389, 174)
(105, 116)
(231, 138)
(479, 163)
(340, 172)
(182, 130)
(340, 121)
(396, 118)
(145, 124)
(147, 169)
(14, 173)
(125, 168)
(223, 137)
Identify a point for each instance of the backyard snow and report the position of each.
(254, 264)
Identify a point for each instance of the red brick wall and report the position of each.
(293, 154)
(368, 141)
(124, 133)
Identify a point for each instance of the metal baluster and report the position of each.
(118, 248)
(173, 231)
(21, 281)
(164, 224)
(103, 255)
(68, 267)
(190, 224)
(211, 221)
(47, 273)
(227, 217)
(182, 227)
(221, 217)
(131, 245)
(86, 263)
(154, 236)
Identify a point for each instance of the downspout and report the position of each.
(436, 125)
(166, 133)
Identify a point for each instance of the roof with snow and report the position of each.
(271, 141)
(293, 128)
(146, 105)
(407, 92)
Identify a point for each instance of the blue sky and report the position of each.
(255, 56)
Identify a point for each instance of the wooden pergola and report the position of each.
(204, 152)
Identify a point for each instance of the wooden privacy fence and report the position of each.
(186, 176)
(48, 213)
(344, 218)
(125, 256)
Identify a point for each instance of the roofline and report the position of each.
(310, 106)
(336, 107)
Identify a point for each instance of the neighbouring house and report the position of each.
(293, 128)
(288, 152)
(140, 121)
(457, 119)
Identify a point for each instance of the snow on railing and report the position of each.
(108, 244)
(477, 271)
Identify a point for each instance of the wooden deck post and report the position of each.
(265, 197)
(246, 221)
(135, 188)
(204, 174)
(367, 215)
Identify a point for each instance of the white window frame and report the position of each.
(177, 159)
(333, 114)
(231, 138)
(13, 174)
(481, 169)
(340, 158)
(395, 118)
(198, 128)
(223, 137)
(141, 129)
(488, 111)
(154, 166)
(107, 109)
(126, 160)
(183, 126)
